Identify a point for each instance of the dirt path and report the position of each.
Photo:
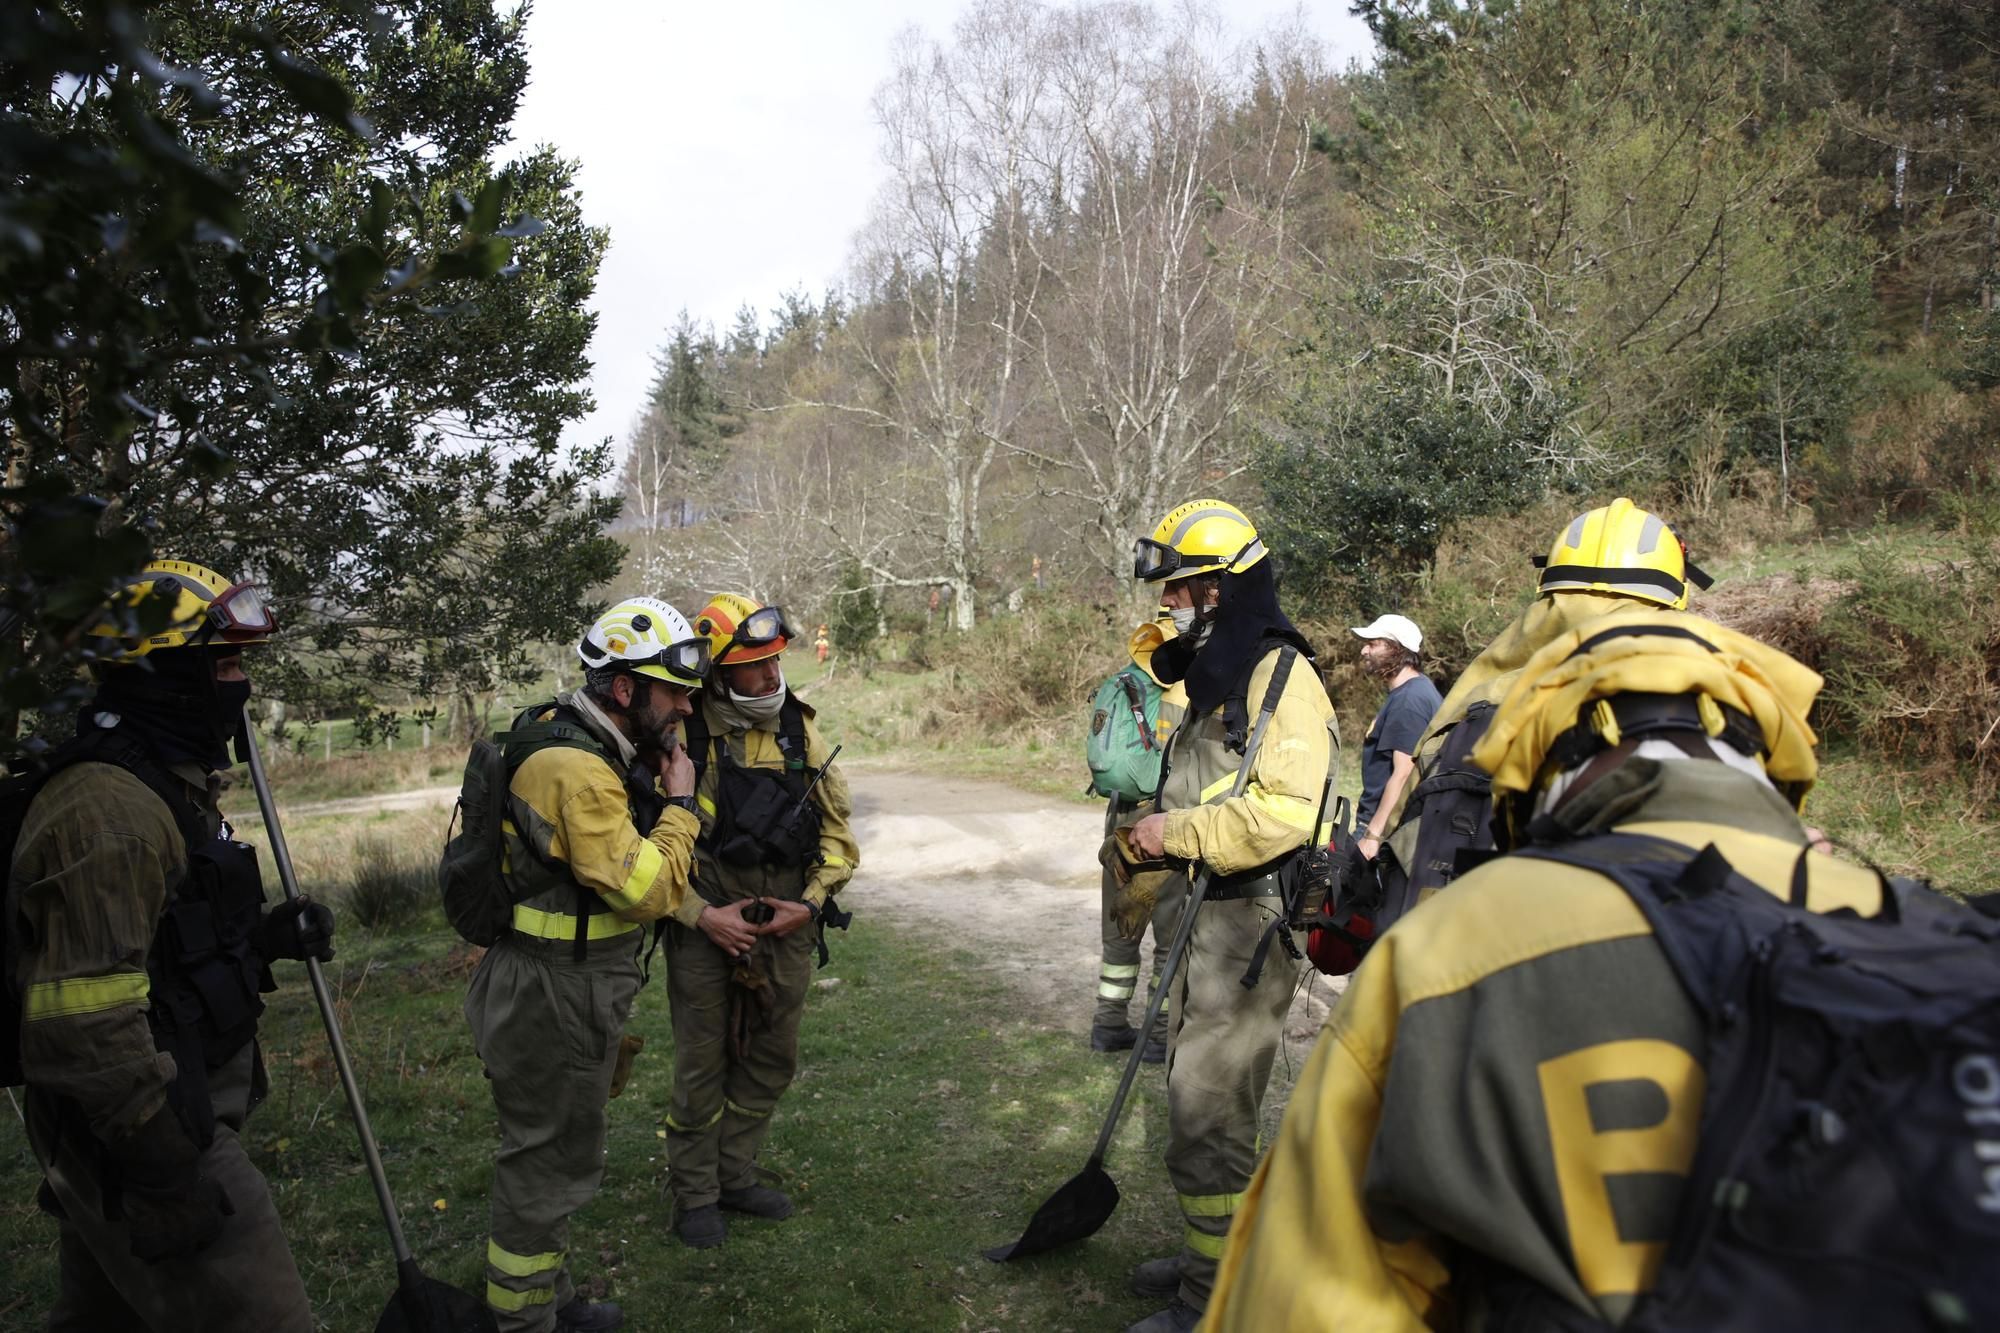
(421, 798)
(1010, 875)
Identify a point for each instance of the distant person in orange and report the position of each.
(820, 646)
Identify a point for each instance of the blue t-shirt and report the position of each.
(1405, 715)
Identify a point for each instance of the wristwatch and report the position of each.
(684, 802)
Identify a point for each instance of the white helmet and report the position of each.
(647, 637)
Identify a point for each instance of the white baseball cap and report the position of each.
(1400, 629)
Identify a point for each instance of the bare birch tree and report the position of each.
(1175, 254)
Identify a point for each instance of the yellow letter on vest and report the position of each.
(1586, 1156)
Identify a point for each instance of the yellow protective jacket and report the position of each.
(571, 806)
(98, 859)
(1447, 1111)
(757, 747)
(1491, 674)
(1275, 813)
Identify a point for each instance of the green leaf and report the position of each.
(486, 212)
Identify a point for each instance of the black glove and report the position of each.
(170, 1207)
(298, 929)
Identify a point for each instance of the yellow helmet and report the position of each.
(1200, 537)
(740, 630)
(1621, 549)
(1647, 673)
(645, 636)
(207, 611)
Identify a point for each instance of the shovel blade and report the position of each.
(425, 1305)
(1084, 1203)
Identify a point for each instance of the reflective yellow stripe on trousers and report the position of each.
(520, 1266)
(562, 925)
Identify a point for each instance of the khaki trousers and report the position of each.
(244, 1282)
(1118, 974)
(1218, 1067)
(547, 1029)
(721, 1107)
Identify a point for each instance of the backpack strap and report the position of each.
(530, 735)
(1236, 716)
(122, 749)
(697, 741)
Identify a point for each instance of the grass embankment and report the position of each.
(929, 1119)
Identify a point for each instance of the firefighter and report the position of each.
(1222, 596)
(140, 951)
(599, 837)
(1614, 559)
(1124, 915)
(1512, 1083)
(776, 844)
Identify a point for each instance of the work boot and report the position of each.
(1155, 1052)
(702, 1228)
(581, 1316)
(758, 1201)
(1178, 1317)
(1157, 1279)
(1121, 1038)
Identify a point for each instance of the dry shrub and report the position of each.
(1783, 611)
(1912, 657)
(1917, 443)
(390, 886)
(1036, 670)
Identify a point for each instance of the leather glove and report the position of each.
(171, 1209)
(298, 929)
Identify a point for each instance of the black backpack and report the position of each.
(1847, 1173)
(477, 900)
(1455, 807)
(17, 792)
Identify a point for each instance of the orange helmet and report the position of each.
(740, 630)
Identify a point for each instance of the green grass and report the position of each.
(929, 1119)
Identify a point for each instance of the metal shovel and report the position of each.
(1086, 1201)
(419, 1304)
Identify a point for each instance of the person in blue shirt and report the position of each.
(1391, 651)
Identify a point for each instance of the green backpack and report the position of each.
(477, 900)
(1123, 750)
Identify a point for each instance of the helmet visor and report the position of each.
(1153, 561)
(765, 625)
(240, 613)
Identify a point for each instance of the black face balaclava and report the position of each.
(178, 707)
(1247, 622)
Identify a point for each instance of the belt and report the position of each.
(540, 925)
(1264, 886)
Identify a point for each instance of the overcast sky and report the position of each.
(732, 151)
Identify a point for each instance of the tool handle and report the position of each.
(1197, 892)
(274, 833)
